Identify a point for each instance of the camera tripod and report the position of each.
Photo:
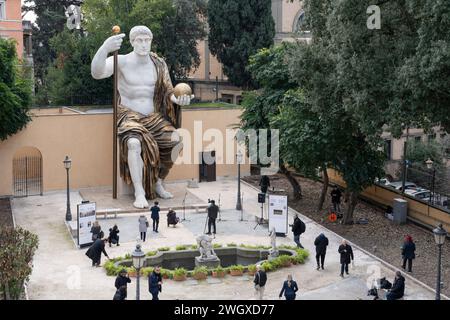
(261, 219)
(184, 208)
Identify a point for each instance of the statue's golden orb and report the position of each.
(182, 89)
(116, 29)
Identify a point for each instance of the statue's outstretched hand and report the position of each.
(183, 100)
(113, 43)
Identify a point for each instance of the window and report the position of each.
(431, 137)
(418, 138)
(2, 10)
(388, 149)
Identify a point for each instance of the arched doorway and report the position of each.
(27, 172)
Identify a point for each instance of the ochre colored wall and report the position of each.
(11, 27)
(86, 139)
(290, 11)
(417, 210)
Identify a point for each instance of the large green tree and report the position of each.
(238, 28)
(15, 91)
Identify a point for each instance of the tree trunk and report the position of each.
(324, 188)
(7, 295)
(348, 215)
(294, 183)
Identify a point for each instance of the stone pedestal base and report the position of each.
(209, 263)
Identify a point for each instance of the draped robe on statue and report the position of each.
(153, 131)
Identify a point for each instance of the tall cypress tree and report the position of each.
(238, 28)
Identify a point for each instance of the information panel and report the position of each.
(86, 218)
(278, 213)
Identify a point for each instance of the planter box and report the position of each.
(200, 276)
(165, 276)
(179, 278)
(236, 272)
(220, 274)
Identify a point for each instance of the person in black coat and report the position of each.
(155, 216)
(122, 280)
(213, 210)
(321, 244)
(172, 218)
(95, 251)
(264, 183)
(121, 293)
(336, 195)
(408, 252)
(260, 281)
(114, 235)
(398, 287)
(289, 289)
(96, 231)
(298, 227)
(346, 256)
(155, 283)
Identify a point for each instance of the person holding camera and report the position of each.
(213, 210)
(114, 236)
(122, 280)
(346, 253)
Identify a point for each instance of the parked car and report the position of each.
(397, 185)
(419, 193)
(382, 181)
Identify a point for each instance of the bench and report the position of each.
(107, 212)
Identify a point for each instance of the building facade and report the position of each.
(11, 23)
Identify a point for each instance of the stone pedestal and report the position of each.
(210, 263)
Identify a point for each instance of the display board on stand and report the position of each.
(86, 216)
(278, 214)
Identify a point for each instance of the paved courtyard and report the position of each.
(61, 271)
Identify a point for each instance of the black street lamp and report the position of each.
(430, 166)
(67, 164)
(239, 157)
(138, 262)
(439, 237)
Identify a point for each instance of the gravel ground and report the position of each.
(380, 236)
(5, 213)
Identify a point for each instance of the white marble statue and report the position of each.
(205, 247)
(141, 74)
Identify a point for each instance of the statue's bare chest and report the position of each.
(140, 75)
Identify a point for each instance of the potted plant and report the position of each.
(181, 247)
(179, 274)
(237, 270)
(218, 272)
(132, 272)
(200, 273)
(165, 274)
(251, 269)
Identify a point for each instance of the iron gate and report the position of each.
(27, 176)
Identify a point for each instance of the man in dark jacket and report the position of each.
(213, 210)
(155, 216)
(408, 252)
(122, 280)
(155, 283)
(114, 235)
(346, 256)
(95, 251)
(298, 227)
(336, 195)
(398, 288)
(264, 183)
(321, 244)
(260, 281)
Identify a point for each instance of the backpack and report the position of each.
(302, 227)
(385, 284)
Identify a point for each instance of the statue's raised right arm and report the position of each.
(102, 67)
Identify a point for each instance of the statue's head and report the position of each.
(141, 39)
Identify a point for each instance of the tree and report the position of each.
(238, 28)
(15, 92)
(17, 247)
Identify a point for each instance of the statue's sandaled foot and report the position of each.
(161, 192)
(141, 202)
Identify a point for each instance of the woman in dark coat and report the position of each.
(289, 289)
(114, 235)
(121, 293)
(122, 280)
(398, 287)
(321, 244)
(408, 252)
(95, 251)
(154, 283)
(96, 231)
(346, 256)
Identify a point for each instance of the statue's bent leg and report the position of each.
(136, 165)
(166, 146)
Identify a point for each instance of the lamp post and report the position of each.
(439, 237)
(138, 262)
(239, 161)
(430, 166)
(67, 164)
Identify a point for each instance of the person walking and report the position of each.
(346, 256)
(95, 251)
(260, 282)
(408, 252)
(398, 287)
(155, 216)
(289, 289)
(155, 283)
(114, 236)
(298, 227)
(264, 183)
(121, 293)
(143, 225)
(96, 231)
(336, 195)
(321, 244)
(122, 280)
(213, 210)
